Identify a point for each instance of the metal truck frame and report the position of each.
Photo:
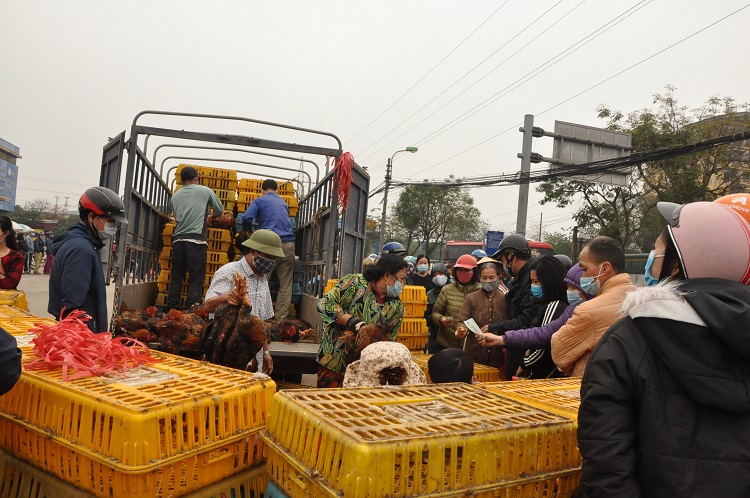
(329, 241)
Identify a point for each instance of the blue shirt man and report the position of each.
(270, 212)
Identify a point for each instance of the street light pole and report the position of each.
(388, 170)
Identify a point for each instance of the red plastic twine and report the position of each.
(71, 345)
(343, 178)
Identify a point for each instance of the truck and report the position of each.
(330, 239)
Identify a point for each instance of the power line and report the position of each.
(405, 66)
(587, 89)
(430, 71)
(522, 30)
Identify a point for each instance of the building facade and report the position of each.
(9, 153)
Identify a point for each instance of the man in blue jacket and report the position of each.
(77, 280)
(272, 213)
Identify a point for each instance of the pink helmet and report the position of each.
(712, 240)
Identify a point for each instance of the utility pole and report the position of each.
(66, 205)
(540, 227)
(523, 188)
(574, 251)
(57, 198)
(385, 201)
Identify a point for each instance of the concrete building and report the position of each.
(9, 153)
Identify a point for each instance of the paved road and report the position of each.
(36, 288)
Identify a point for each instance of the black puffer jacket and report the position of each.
(522, 309)
(10, 361)
(665, 400)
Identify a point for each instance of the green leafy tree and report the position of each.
(627, 213)
(561, 240)
(430, 215)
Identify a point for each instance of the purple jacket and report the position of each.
(537, 337)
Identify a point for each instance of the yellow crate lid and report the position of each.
(483, 373)
(436, 440)
(561, 396)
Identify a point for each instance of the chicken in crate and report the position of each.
(173, 332)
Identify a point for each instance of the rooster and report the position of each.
(368, 334)
(289, 330)
(224, 220)
(129, 320)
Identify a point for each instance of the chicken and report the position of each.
(368, 334)
(290, 330)
(194, 326)
(129, 320)
(247, 338)
(225, 318)
(224, 220)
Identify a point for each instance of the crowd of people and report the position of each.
(665, 368)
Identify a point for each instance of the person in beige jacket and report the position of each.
(603, 263)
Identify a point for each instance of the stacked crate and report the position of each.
(561, 396)
(219, 242)
(164, 430)
(483, 373)
(249, 189)
(431, 440)
(222, 181)
(413, 333)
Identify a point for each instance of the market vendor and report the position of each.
(372, 297)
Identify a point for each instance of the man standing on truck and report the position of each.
(77, 280)
(189, 245)
(270, 212)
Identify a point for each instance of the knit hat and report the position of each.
(574, 278)
(379, 356)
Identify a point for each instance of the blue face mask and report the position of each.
(395, 289)
(422, 268)
(650, 280)
(537, 291)
(574, 298)
(590, 285)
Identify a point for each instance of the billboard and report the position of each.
(8, 182)
(493, 241)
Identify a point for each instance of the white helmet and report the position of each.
(712, 240)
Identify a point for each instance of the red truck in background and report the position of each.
(456, 248)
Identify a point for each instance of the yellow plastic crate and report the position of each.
(20, 326)
(15, 298)
(561, 396)
(226, 196)
(178, 423)
(219, 234)
(483, 373)
(166, 239)
(286, 188)
(432, 440)
(413, 326)
(169, 228)
(414, 293)
(219, 183)
(216, 257)
(221, 173)
(414, 309)
(250, 185)
(413, 342)
(8, 312)
(330, 285)
(248, 484)
(163, 285)
(161, 299)
(18, 479)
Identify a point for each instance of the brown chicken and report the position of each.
(367, 335)
(225, 318)
(289, 329)
(194, 326)
(224, 220)
(129, 320)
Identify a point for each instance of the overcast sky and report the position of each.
(382, 75)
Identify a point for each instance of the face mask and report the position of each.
(490, 287)
(110, 229)
(263, 265)
(590, 285)
(537, 291)
(650, 280)
(509, 267)
(439, 280)
(574, 298)
(422, 268)
(395, 289)
(464, 278)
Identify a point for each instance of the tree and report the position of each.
(562, 241)
(430, 214)
(627, 213)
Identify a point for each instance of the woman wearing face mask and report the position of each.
(485, 306)
(358, 300)
(664, 399)
(451, 300)
(439, 275)
(539, 337)
(422, 276)
(11, 259)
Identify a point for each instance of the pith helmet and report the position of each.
(265, 241)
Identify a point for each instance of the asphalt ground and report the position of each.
(36, 288)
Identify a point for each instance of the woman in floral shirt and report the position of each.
(358, 300)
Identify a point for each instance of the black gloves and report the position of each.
(354, 324)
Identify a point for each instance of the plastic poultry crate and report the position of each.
(9, 312)
(432, 440)
(483, 373)
(163, 429)
(15, 298)
(414, 309)
(21, 326)
(219, 234)
(330, 285)
(414, 343)
(286, 188)
(561, 396)
(414, 293)
(413, 326)
(250, 185)
(247, 484)
(217, 257)
(226, 196)
(18, 479)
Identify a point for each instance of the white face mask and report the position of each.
(440, 280)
